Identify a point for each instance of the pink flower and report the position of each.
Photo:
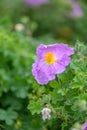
(84, 127)
(52, 60)
(36, 2)
(76, 10)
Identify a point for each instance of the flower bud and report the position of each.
(46, 113)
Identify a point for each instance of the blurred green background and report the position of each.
(22, 28)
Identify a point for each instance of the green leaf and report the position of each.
(35, 107)
(2, 114)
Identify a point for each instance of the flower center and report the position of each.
(49, 58)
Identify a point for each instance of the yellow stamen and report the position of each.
(49, 58)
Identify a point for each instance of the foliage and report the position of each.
(22, 29)
(66, 98)
(16, 59)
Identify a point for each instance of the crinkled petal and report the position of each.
(60, 66)
(65, 60)
(57, 49)
(42, 72)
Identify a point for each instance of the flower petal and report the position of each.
(45, 72)
(42, 72)
(57, 49)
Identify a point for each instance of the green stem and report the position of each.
(58, 80)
